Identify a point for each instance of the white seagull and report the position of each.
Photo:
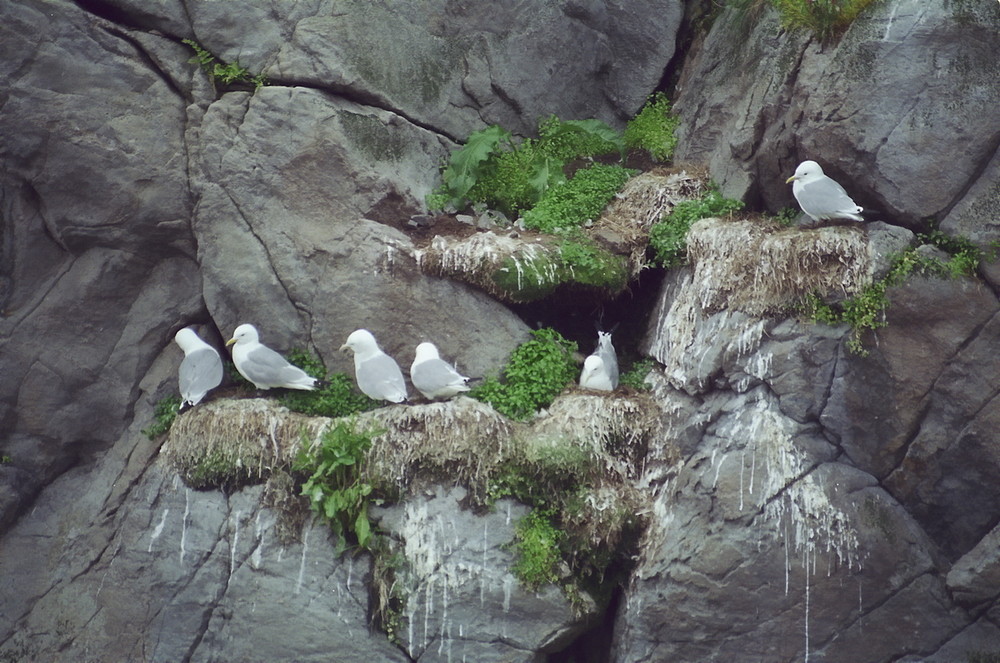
(378, 375)
(595, 375)
(821, 197)
(262, 365)
(201, 369)
(606, 352)
(434, 377)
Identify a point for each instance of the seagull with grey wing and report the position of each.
(263, 366)
(434, 377)
(821, 197)
(606, 351)
(200, 370)
(595, 374)
(377, 374)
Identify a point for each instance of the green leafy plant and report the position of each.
(537, 553)
(668, 238)
(336, 397)
(578, 200)
(492, 169)
(653, 128)
(635, 377)
(537, 371)
(335, 488)
(226, 73)
(163, 416)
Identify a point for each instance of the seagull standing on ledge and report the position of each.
(201, 369)
(377, 374)
(263, 366)
(821, 197)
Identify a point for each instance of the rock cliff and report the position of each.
(799, 501)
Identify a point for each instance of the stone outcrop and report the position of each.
(799, 498)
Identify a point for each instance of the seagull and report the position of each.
(201, 369)
(377, 373)
(821, 197)
(433, 377)
(595, 374)
(263, 366)
(606, 352)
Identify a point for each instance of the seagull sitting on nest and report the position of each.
(200, 371)
(434, 377)
(263, 366)
(821, 197)
(595, 374)
(377, 374)
(606, 351)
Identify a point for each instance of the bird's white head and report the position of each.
(360, 341)
(245, 333)
(425, 351)
(187, 339)
(592, 364)
(807, 170)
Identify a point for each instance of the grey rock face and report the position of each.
(463, 603)
(877, 108)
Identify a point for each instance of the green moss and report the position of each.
(668, 238)
(336, 397)
(585, 263)
(222, 470)
(537, 371)
(653, 128)
(537, 553)
(163, 416)
(580, 199)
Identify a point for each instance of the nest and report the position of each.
(524, 267)
(458, 441)
(228, 443)
(760, 269)
(643, 201)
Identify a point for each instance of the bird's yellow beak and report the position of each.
(344, 347)
(791, 179)
(230, 342)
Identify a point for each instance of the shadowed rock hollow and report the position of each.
(798, 501)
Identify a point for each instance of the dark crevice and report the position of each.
(594, 644)
(578, 315)
(109, 12)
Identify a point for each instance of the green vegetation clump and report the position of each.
(578, 200)
(163, 416)
(336, 397)
(493, 170)
(537, 550)
(824, 18)
(588, 264)
(653, 128)
(866, 310)
(668, 238)
(635, 377)
(335, 488)
(227, 74)
(537, 371)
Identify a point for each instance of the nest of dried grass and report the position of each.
(761, 268)
(643, 201)
(228, 443)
